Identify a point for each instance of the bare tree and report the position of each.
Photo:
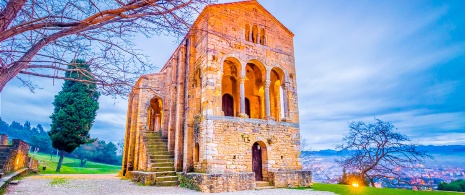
(376, 151)
(41, 37)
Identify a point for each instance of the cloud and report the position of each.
(395, 60)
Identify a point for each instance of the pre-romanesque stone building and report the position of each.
(225, 103)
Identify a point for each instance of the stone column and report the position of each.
(242, 96)
(267, 100)
(286, 101)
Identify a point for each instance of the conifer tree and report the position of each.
(76, 106)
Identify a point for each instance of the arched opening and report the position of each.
(230, 85)
(254, 82)
(247, 107)
(196, 152)
(155, 114)
(247, 32)
(276, 93)
(228, 105)
(254, 33)
(262, 37)
(259, 157)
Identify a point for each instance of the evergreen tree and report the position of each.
(76, 106)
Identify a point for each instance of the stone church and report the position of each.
(222, 113)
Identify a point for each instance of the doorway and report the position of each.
(228, 105)
(257, 161)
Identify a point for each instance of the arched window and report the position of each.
(230, 87)
(247, 32)
(254, 34)
(276, 93)
(253, 87)
(262, 37)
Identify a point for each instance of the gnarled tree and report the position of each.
(40, 37)
(377, 151)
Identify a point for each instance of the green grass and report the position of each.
(349, 190)
(71, 166)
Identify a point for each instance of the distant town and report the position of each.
(446, 167)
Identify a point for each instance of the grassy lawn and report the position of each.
(349, 190)
(71, 166)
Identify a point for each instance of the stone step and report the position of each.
(158, 148)
(163, 164)
(167, 178)
(151, 135)
(168, 160)
(262, 183)
(167, 183)
(14, 182)
(161, 169)
(158, 152)
(161, 157)
(155, 139)
(165, 174)
(154, 145)
(264, 188)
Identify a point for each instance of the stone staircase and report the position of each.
(161, 161)
(263, 185)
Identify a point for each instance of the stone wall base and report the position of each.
(290, 179)
(146, 178)
(214, 183)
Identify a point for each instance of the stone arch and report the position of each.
(155, 114)
(277, 80)
(255, 73)
(259, 159)
(230, 82)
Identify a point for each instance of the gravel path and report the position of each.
(110, 184)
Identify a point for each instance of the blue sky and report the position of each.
(399, 61)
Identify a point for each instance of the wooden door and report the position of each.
(228, 105)
(257, 161)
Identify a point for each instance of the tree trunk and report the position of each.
(83, 162)
(62, 155)
(372, 182)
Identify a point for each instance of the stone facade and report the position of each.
(226, 101)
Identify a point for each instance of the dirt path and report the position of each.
(110, 184)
